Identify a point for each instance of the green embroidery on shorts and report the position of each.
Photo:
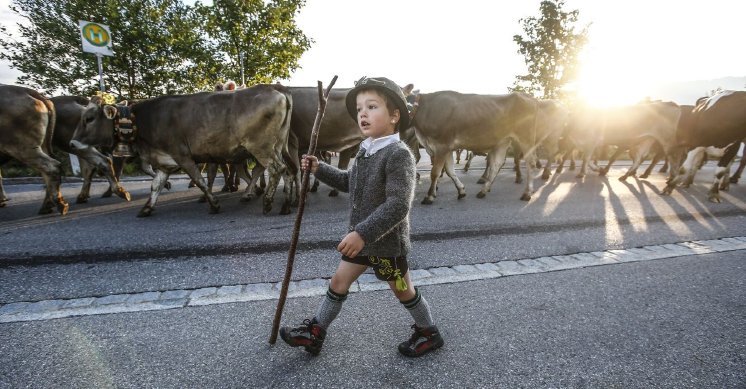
(385, 269)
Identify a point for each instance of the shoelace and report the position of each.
(417, 334)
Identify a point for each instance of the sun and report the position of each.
(607, 80)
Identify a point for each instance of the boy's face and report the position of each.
(373, 117)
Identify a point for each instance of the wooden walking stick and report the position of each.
(301, 206)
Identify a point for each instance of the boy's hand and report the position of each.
(309, 160)
(351, 245)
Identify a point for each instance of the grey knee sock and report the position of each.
(329, 308)
(420, 310)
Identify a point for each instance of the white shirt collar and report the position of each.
(372, 146)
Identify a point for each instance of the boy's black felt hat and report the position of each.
(389, 88)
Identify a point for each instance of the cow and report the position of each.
(179, 131)
(636, 127)
(339, 132)
(69, 110)
(26, 129)
(718, 121)
(446, 120)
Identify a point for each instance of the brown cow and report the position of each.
(636, 127)
(719, 122)
(177, 132)
(26, 129)
(69, 110)
(445, 121)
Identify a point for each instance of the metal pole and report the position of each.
(100, 72)
(243, 80)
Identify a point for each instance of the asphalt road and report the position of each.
(676, 322)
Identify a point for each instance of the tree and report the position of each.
(160, 46)
(157, 49)
(263, 31)
(550, 48)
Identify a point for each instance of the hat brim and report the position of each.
(401, 105)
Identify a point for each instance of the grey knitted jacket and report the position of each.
(381, 191)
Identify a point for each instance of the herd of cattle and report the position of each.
(270, 125)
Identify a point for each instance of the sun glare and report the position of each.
(606, 81)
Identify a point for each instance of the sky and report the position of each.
(467, 46)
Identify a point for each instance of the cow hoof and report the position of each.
(247, 198)
(314, 189)
(259, 191)
(645, 175)
(602, 172)
(714, 198)
(481, 181)
(225, 188)
(481, 195)
(233, 188)
(2, 204)
(267, 208)
(519, 180)
(734, 180)
(427, 201)
(145, 211)
(461, 195)
(124, 194)
(191, 184)
(334, 193)
(623, 178)
(667, 190)
(580, 176)
(545, 177)
(285, 210)
(167, 185)
(81, 200)
(106, 194)
(62, 208)
(214, 209)
(526, 197)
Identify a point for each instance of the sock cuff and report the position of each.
(410, 304)
(334, 296)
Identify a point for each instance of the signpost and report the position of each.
(96, 39)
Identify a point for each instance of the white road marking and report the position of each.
(170, 299)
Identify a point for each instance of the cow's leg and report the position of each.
(495, 160)
(656, 158)
(725, 163)
(3, 198)
(641, 151)
(684, 171)
(469, 157)
(530, 159)
(251, 192)
(52, 173)
(617, 153)
(86, 172)
(517, 166)
(588, 153)
(697, 162)
(449, 169)
(212, 172)
(160, 178)
(195, 173)
(113, 175)
(276, 169)
(438, 158)
(734, 178)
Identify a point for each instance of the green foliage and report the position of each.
(550, 47)
(263, 31)
(160, 46)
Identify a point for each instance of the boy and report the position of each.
(381, 186)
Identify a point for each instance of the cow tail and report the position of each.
(290, 162)
(52, 118)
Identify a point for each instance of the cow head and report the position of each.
(96, 126)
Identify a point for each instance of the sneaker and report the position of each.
(421, 342)
(310, 335)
